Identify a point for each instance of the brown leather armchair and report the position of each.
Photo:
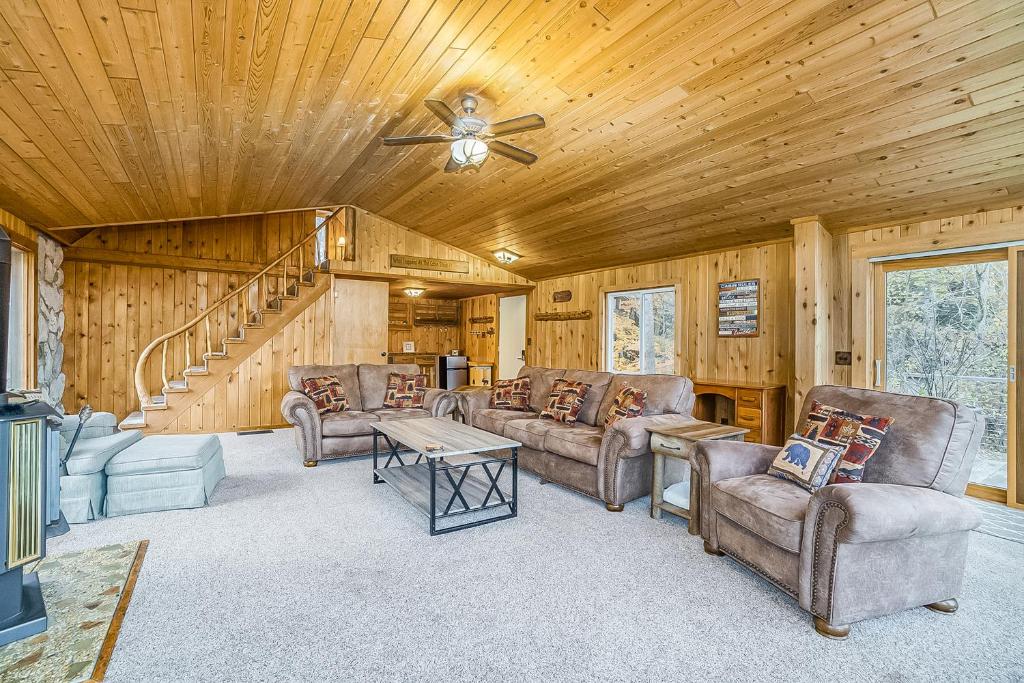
(849, 552)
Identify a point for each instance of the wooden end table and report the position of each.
(683, 498)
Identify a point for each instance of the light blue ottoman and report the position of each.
(82, 489)
(164, 472)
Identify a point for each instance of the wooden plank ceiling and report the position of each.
(673, 126)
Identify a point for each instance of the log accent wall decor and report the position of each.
(562, 316)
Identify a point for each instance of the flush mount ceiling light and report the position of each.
(506, 256)
(413, 291)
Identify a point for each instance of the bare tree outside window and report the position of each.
(641, 331)
(946, 336)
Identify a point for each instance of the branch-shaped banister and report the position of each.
(271, 285)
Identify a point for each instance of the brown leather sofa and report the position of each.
(850, 552)
(350, 432)
(612, 465)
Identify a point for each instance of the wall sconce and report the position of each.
(506, 256)
(341, 241)
(413, 291)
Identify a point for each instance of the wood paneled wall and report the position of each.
(113, 308)
(250, 396)
(377, 238)
(767, 358)
(480, 346)
(842, 262)
(254, 240)
(439, 339)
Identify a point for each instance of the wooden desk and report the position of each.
(680, 443)
(760, 408)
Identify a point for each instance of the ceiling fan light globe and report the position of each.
(469, 152)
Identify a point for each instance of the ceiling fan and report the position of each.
(472, 138)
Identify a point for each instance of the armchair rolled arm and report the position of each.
(715, 461)
(299, 410)
(474, 399)
(889, 512)
(718, 460)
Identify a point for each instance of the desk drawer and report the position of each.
(666, 445)
(750, 399)
(748, 417)
(753, 436)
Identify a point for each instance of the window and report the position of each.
(321, 237)
(641, 335)
(19, 321)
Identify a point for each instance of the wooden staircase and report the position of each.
(195, 356)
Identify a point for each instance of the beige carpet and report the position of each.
(296, 574)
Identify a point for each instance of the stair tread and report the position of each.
(135, 420)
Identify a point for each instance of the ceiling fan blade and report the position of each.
(516, 125)
(442, 111)
(512, 152)
(418, 139)
(452, 166)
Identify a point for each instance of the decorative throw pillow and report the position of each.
(805, 462)
(628, 403)
(327, 393)
(859, 436)
(565, 401)
(405, 391)
(511, 394)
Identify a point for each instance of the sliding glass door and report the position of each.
(947, 334)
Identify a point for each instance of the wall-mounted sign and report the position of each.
(738, 304)
(562, 296)
(426, 263)
(561, 316)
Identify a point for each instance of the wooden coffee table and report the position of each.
(464, 476)
(682, 499)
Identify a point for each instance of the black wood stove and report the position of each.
(26, 453)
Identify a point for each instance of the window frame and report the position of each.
(607, 332)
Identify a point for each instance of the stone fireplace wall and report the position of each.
(49, 368)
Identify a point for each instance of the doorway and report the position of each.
(946, 323)
(511, 335)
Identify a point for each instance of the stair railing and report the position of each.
(221, 311)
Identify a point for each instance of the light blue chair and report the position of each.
(83, 488)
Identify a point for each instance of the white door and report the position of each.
(360, 321)
(511, 335)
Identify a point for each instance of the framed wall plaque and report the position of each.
(739, 308)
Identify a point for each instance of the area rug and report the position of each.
(86, 595)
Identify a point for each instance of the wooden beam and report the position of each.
(813, 338)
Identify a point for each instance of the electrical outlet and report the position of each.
(844, 358)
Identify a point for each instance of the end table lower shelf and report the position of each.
(682, 498)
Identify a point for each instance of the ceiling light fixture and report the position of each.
(413, 291)
(469, 153)
(506, 256)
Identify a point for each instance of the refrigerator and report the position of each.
(452, 372)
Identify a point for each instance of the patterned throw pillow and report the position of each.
(859, 436)
(327, 393)
(511, 394)
(565, 401)
(629, 403)
(405, 391)
(805, 462)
